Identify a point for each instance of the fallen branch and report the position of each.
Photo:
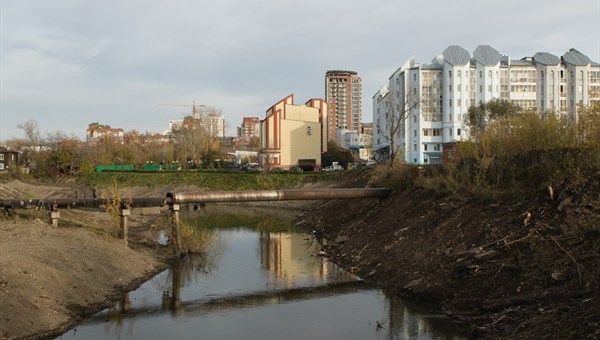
(572, 258)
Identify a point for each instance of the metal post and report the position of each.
(124, 227)
(54, 215)
(176, 230)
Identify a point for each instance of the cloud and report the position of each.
(66, 63)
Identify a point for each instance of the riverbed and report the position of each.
(259, 279)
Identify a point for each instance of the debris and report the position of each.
(527, 218)
(485, 255)
(412, 284)
(558, 276)
(341, 239)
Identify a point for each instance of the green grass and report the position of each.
(207, 180)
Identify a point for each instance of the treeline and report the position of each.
(511, 148)
(56, 153)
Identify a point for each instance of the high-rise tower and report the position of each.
(343, 93)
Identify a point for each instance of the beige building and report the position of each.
(294, 135)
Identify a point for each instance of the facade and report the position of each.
(96, 131)
(249, 129)
(214, 123)
(444, 89)
(343, 94)
(8, 158)
(294, 135)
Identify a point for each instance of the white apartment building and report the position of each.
(456, 80)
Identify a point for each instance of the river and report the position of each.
(259, 279)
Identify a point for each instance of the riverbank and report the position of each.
(524, 266)
(513, 267)
(53, 277)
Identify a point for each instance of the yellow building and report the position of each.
(294, 135)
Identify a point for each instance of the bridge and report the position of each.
(175, 200)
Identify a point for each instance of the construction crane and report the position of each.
(195, 108)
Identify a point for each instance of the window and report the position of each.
(450, 102)
(415, 148)
(458, 132)
(450, 73)
(450, 132)
(436, 147)
(425, 147)
(1, 156)
(415, 77)
(450, 117)
(414, 133)
(480, 88)
(480, 74)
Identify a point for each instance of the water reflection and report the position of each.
(266, 284)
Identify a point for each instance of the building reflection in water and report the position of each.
(292, 257)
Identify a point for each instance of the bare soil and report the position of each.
(52, 277)
(516, 267)
(524, 266)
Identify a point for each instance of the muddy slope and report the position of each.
(526, 267)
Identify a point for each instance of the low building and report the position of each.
(96, 131)
(8, 158)
(294, 135)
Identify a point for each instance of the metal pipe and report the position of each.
(79, 202)
(274, 195)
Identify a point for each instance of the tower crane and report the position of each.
(195, 108)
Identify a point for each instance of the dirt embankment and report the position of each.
(520, 268)
(526, 267)
(52, 277)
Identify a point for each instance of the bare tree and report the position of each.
(398, 109)
(192, 140)
(32, 132)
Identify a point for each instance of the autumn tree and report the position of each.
(192, 141)
(478, 117)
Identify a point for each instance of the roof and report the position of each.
(521, 62)
(546, 58)
(486, 55)
(456, 55)
(6, 150)
(576, 58)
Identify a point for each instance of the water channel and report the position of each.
(259, 279)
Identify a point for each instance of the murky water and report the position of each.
(258, 284)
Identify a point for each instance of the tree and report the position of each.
(192, 140)
(398, 108)
(479, 116)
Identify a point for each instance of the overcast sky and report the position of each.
(68, 63)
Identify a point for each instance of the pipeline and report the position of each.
(51, 203)
(274, 195)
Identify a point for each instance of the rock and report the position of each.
(372, 272)
(341, 239)
(412, 284)
(558, 276)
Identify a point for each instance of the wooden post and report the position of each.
(54, 215)
(176, 229)
(124, 227)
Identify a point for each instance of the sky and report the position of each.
(68, 63)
